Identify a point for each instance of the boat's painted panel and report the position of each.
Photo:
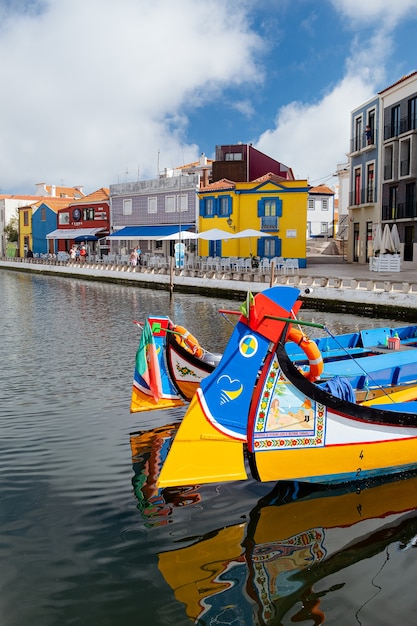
(142, 398)
(226, 394)
(333, 464)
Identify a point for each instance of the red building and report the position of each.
(84, 220)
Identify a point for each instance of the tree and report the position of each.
(11, 230)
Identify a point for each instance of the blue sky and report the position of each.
(98, 92)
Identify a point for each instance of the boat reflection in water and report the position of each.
(149, 451)
(256, 572)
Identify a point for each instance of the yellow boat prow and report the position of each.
(201, 454)
(142, 402)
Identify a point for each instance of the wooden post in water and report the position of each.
(271, 278)
(171, 275)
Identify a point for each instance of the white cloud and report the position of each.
(375, 12)
(313, 138)
(93, 88)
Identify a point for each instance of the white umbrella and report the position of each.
(395, 238)
(215, 234)
(377, 239)
(387, 245)
(249, 232)
(183, 234)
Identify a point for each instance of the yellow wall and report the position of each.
(245, 196)
(25, 231)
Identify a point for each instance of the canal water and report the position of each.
(86, 539)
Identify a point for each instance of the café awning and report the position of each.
(74, 233)
(134, 233)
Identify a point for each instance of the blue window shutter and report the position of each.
(279, 211)
(260, 247)
(261, 207)
(202, 206)
(278, 245)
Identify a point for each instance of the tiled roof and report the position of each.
(224, 183)
(53, 203)
(100, 195)
(323, 189)
(401, 80)
(64, 192)
(275, 178)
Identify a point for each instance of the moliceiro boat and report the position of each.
(262, 405)
(170, 364)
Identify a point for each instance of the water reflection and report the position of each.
(149, 451)
(256, 572)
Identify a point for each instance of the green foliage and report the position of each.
(11, 230)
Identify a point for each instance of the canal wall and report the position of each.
(327, 287)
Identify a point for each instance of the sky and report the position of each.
(97, 92)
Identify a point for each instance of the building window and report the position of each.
(170, 204)
(324, 228)
(311, 204)
(410, 207)
(25, 218)
(358, 133)
(88, 214)
(270, 208)
(152, 205)
(325, 204)
(357, 175)
(370, 136)
(393, 203)
(233, 156)
(43, 214)
(388, 157)
(395, 121)
(127, 206)
(63, 219)
(208, 207)
(225, 206)
(370, 181)
(412, 114)
(183, 202)
(405, 157)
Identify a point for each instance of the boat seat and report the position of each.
(348, 340)
(375, 337)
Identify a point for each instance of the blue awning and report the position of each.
(133, 233)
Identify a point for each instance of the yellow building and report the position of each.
(273, 205)
(25, 230)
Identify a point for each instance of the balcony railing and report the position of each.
(359, 142)
(404, 125)
(403, 210)
(270, 223)
(364, 196)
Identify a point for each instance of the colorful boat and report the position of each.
(170, 364)
(257, 571)
(257, 404)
